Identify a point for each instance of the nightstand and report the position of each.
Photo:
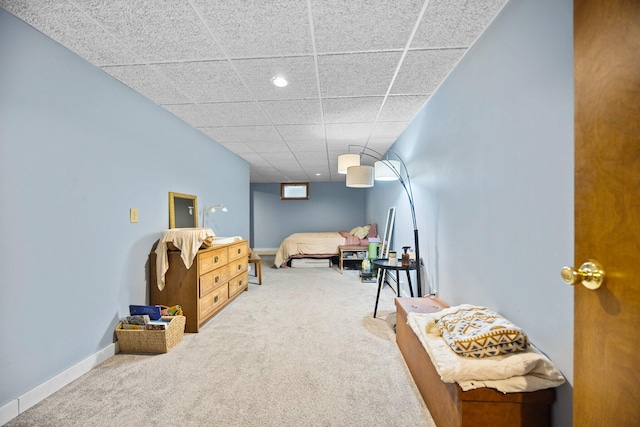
(351, 253)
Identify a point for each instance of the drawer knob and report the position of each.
(239, 266)
(215, 299)
(239, 250)
(215, 258)
(217, 279)
(240, 284)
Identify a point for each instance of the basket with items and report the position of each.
(150, 329)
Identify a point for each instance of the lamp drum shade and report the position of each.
(387, 170)
(360, 176)
(345, 161)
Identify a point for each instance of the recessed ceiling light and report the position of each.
(318, 174)
(279, 81)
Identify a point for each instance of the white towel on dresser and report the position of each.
(188, 240)
(528, 370)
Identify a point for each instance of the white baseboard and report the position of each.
(9, 412)
(46, 389)
(265, 251)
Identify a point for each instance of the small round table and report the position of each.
(383, 265)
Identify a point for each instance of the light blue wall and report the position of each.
(491, 159)
(77, 151)
(331, 207)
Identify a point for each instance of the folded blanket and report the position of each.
(528, 370)
(479, 332)
(188, 240)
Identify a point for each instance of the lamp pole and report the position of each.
(416, 241)
(409, 192)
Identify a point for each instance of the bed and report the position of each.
(323, 244)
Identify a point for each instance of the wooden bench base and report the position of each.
(448, 404)
(254, 259)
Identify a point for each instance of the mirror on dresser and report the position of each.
(183, 210)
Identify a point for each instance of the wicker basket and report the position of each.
(142, 341)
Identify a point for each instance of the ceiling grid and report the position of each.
(358, 71)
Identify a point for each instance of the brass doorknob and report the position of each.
(590, 274)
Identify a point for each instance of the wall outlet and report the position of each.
(133, 215)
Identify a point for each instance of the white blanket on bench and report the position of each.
(529, 370)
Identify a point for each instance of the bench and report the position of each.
(254, 259)
(448, 404)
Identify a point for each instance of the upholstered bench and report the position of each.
(448, 404)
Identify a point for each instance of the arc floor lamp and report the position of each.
(384, 169)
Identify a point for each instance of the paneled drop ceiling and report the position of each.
(358, 70)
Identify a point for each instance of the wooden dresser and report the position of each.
(217, 276)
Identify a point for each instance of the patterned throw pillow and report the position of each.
(480, 332)
(360, 232)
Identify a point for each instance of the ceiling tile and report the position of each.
(301, 132)
(205, 81)
(307, 145)
(144, 80)
(269, 147)
(401, 107)
(349, 110)
(300, 72)
(298, 111)
(362, 74)
(348, 131)
(311, 157)
(155, 31)
(67, 25)
(454, 23)
(342, 144)
(220, 114)
(341, 26)
(423, 70)
(258, 27)
(295, 177)
(257, 160)
(285, 159)
(241, 133)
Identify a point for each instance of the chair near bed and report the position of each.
(254, 259)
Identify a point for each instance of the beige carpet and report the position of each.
(301, 350)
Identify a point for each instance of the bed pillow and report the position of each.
(360, 232)
(480, 332)
(349, 239)
(373, 230)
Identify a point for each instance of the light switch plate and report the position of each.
(133, 215)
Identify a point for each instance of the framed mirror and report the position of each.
(183, 210)
(388, 232)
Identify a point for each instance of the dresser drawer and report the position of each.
(238, 283)
(237, 267)
(212, 280)
(209, 260)
(238, 250)
(210, 302)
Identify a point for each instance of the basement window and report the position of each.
(294, 191)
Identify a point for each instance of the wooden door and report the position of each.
(607, 211)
